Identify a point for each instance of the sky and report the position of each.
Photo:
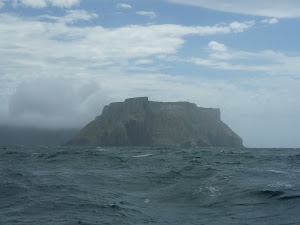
(61, 61)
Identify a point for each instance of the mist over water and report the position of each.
(88, 185)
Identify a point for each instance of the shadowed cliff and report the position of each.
(139, 122)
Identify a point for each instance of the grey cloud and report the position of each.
(56, 103)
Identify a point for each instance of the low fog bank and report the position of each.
(49, 111)
(54, 104)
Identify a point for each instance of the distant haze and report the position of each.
(62, 61)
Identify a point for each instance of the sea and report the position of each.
(125, 185)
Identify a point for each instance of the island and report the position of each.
(140, 122)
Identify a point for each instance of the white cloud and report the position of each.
(270, 21)
(150, 14)
(45, 3)
(217, 62)
(64, 3)
(267, 61)
(217, 46)
(29, 3)
(48, 46)
(41, 41)
(71, 16)
(241, 27)
(2, 3)
(123, 6)
(269, 8)
(75, 15)
(218, 51)
(143, 61)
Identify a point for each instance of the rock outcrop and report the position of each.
(140, 122)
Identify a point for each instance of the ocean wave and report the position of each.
(290, 197)
(89, 185)
(269, 193)
(143, 155)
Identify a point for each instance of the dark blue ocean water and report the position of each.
(88, 185)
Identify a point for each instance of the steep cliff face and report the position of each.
(140, 122)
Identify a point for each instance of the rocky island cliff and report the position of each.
(140, 122)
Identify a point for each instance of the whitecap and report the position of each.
(277, 171)
(281, 185)
(212, 190)
(37, 154)
(146, 200)
(99, 149)
(139, 156)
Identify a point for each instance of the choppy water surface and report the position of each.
(85, 185)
